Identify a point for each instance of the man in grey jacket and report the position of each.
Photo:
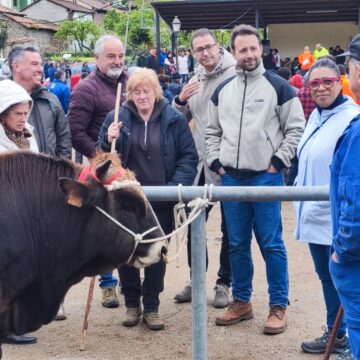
(255, 124)
(47, 116)
(214, 66)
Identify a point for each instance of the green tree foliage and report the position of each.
(84, 32)
(141, 26)
(141, 32)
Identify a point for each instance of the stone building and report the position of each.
(24, 31)
(61, 10)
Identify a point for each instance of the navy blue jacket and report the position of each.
(178, 148)
(345, 194)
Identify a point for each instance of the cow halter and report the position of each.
(114, 182)
(197, 205)
(90, 171)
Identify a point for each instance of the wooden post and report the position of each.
(333, 334)
(87, 313)
(116, 115)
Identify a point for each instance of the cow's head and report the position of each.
(105, 184)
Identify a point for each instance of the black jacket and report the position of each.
(178, 147)
(51, 126)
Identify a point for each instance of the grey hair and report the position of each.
(99, 45)
(17, 54)
(327, 63)
(202, 32)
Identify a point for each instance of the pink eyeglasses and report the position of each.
(326, 82)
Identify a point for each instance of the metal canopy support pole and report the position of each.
(173, 43)
(198, 288)
(157, 30)
(257, 17)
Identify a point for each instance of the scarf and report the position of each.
(20, 138)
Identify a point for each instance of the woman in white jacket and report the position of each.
(326, 124)
(15, 106)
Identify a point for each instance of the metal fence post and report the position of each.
(198, 236)
(198, 288)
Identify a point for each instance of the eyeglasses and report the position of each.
(327, 83)
(201, 50)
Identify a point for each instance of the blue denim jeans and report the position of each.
(346, 278)
(321, 256)
(265, 219)
(107, 280)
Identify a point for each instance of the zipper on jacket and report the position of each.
(241, 121)
(269, 139)
(145, 135)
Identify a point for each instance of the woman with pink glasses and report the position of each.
(326, 124)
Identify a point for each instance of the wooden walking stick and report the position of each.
(116, 115)
(87, 313)
(333, 334)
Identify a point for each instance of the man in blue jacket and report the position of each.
(59, 88)
(345, 207)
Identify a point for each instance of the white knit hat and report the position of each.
(11, 93)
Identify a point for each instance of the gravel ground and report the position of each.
(108, 340)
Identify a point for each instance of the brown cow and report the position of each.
(52, 236)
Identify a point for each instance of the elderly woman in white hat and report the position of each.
(15, 106)
(15, 134)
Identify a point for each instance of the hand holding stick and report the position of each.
(116, 115)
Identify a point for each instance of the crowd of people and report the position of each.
(255, 118)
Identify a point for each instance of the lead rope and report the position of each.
(182, 221)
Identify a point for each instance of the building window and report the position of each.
(15, 3)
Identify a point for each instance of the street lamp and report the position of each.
(176, 26)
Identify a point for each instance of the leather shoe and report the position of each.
(236, 312)
(19, 339)
(276, 322)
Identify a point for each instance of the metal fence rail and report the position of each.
(198, 236)
(239, 193)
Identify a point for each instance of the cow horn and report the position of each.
(102, 170)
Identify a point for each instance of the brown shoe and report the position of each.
(237, 311)
(276, 322)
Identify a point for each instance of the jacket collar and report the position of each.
(259, 71)
(109, 80)
(340, 99)
(157, 114)
(39, 92)
(226, 61)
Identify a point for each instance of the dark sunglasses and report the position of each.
(327, 83)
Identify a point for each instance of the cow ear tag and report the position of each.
(74, 201)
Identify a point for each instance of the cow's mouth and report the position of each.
(142, 261)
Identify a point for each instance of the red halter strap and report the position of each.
(89, 170)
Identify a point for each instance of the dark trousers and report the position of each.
(224, 272)
(153, 283)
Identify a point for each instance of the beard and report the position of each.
(114, 72)
(248, 66)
